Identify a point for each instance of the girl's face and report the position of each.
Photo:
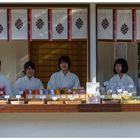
(118, 68)
(64, 66)
(30, 72)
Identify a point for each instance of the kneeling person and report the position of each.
(28, 82)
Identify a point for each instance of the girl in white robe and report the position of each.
(28, 82)
(64, 78)
(121, 80)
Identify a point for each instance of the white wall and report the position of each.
(13, 55)
(21, 56)
(70, 124)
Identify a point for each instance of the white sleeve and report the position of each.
(112, 81)
(76, 82)
(7, 87)
(40, 85)
(16, 87)
(131, 82)
(112, 84)
(51, 83)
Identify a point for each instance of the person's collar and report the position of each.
(29, 78)
(123, 75)
(66, 73)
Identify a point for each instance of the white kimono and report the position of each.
(25, 83)
(124, 83)
(59, 80)
(5, 85)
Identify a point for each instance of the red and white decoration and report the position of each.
(124, 25)
(23, 24)
(59, 24)
(3, 24)
(105, 23)
(79, 23)
(19, 24)
(40, 24)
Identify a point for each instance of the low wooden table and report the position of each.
(8, 108)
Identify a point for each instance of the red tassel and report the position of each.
(29, 24)
(50, 24)
(134, 23)
(69, 24)
(9, 31)
(115, 24)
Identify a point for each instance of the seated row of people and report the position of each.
(64, 78)
(61, 79)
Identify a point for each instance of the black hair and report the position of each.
(65, 59)
(123, 63)
(27, 65)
